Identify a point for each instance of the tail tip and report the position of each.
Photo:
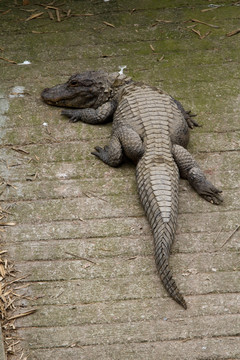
(182, 302)
(184, 305)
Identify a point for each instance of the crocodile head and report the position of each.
(89, 89)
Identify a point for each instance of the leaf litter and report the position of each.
(13, 296)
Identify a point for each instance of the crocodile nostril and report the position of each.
(44, 93)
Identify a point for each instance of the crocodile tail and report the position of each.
(158, 191)
(162, 263)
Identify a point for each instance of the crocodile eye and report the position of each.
(74, 83)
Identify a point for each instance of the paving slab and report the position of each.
(79, 241)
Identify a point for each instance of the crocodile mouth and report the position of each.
(48, 98)
(64, 96)
(55, 103)
(50, 102)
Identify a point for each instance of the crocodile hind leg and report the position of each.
(124, 140)
(190, 170)
(188, 116)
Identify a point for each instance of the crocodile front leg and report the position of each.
(92, 116)
(190, 170)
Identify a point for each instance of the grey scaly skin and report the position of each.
(151, 129)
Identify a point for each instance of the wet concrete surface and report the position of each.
(80, 234)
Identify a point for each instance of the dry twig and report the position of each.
(22, 315)
(20, 150)
(204, 23)
(10, 61)
(108, 24)
(80, 257)
(50, 14)
(230, 236)
(199, 34)
(152, 48)
(34, 16)
(235, 32)
(58, 15)
(5, 12)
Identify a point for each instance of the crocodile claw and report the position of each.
(189, 119)
(71, 114)
(100, 152)
(212, 194)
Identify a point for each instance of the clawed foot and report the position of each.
(189, 119)
(203, 186)
(187, 115)
(101, 153)
(210, 193)
(72, 115)
(109, 157)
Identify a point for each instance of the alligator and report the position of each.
(151, 129)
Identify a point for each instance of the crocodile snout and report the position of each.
(44, 93)
(48, 97)
(46, 89)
